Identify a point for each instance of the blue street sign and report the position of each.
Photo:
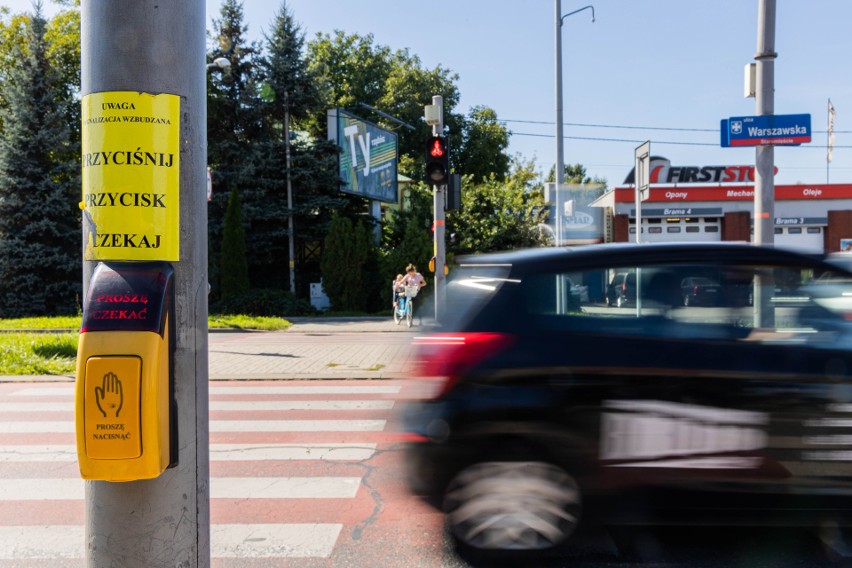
(766, 130)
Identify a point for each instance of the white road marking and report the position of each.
(220, 488)
(240, 390)
(67, 426)
(229, 405)
(218, 452)
(226, 541)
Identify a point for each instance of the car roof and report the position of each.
(615, 253)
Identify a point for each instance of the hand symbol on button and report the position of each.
(109, 396)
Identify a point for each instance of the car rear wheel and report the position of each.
(512, 506)
(620, 301)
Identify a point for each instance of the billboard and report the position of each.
(367, 162)
(581, 223)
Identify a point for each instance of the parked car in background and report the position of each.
(700, 291)
(545, 418)
(621, 289)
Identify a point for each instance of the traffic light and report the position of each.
(437, 161)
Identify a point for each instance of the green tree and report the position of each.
(499, 215)
(337, 253)
(39, 186)
(235, 133)
(484, 142)
(353, 70)
(349, 264)
(235, 278)
(575, 174)
(290, 94)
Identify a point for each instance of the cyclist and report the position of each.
(413, 278)
(397, 286)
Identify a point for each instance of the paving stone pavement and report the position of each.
(313, 348)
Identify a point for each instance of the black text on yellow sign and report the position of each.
(131, 176)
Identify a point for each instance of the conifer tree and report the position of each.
(234, 279)
(40, 239)
(337, 252)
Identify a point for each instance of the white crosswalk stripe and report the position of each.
(221, 405)
(304, 540)
(46, 413)
(218, 452)
(55, 426)
(239, 390)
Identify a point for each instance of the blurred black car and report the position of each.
(698, 290)
(549, 414)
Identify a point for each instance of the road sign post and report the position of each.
(642, 182)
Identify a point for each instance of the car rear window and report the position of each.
(469, 289)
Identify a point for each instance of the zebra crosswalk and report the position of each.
(287, 469)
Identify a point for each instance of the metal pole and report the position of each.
(440, 222)
(764, 183)
(163, 521)
(291, 231)
(560, 165)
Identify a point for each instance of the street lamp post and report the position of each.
(560, 166)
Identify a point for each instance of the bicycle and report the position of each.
(405, 305)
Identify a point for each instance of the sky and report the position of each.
(661, 70)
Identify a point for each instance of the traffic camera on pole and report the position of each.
(437, 161)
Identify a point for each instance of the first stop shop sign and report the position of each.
(131, 176)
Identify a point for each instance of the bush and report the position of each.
(265, 302)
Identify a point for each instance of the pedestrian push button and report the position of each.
(113, 429)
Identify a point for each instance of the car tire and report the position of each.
(686, 300)
(501, 507)
(620, 301)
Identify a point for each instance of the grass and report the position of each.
(24, 352)
(247, 322)
(57, 322)
(38, 353)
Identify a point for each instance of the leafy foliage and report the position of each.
(499, 215)
(39, 187)
(265, 302)
(347, 264)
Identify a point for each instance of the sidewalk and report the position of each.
(313, 348)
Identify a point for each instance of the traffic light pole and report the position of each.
(439, 226)
(159, 48)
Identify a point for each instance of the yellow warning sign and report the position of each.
(131, 176)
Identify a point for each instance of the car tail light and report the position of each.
(449, 355)
(695, 289)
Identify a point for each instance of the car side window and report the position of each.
(695, 300)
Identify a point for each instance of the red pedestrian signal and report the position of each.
(437, 161)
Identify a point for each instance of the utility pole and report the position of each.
(440, 220)
(764, 158)
(764, 181)
(149, 48)
(291, 228)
